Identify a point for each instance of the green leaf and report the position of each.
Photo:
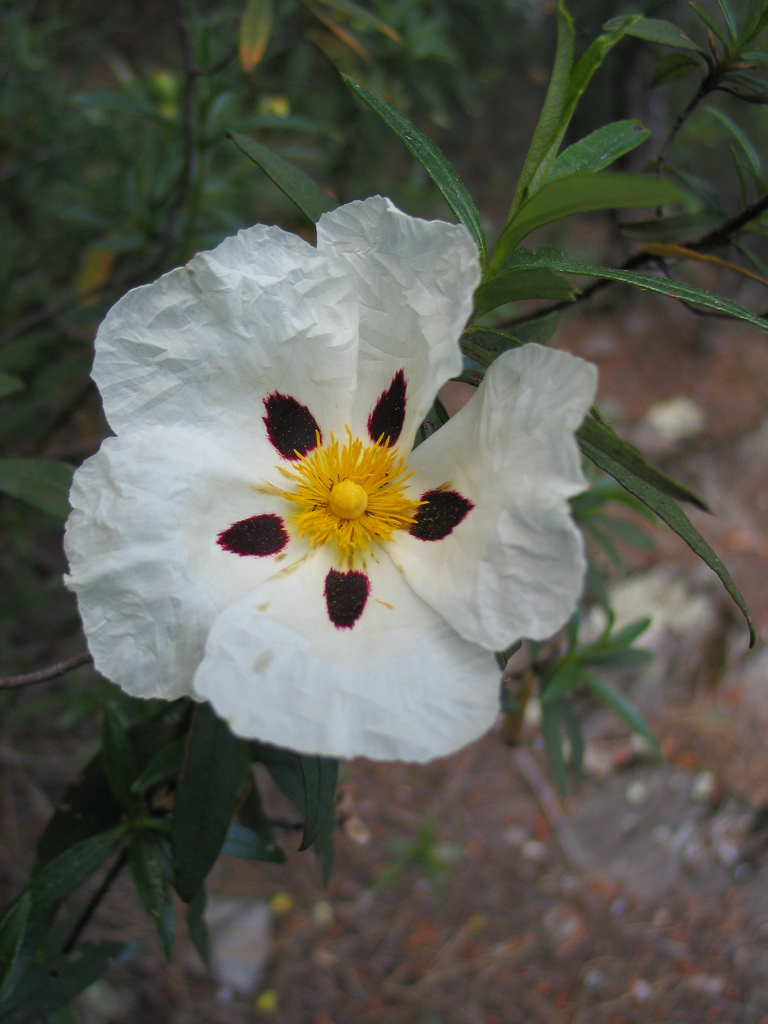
(599, 149)
(548, 129)
(575, 735)
(755, 20)
(648, 282)
(9, 384)
(42, 483)
(244, 842)
(49, 887)
(198, 930)
(254, 32)
(434, 162)
(675, 518)
(252, 816)
(601, 436)
(362, 15)
(746, 85)
(553, 744)
(566, 675)
(624, 708)
(163, 766)
(658, 30)
(150, 859)
(295, 184)
(582, 193)
(119, 759)
(309, 783)
(87, 809)
(215, 769)
(12, 929)
(513, 285)
(708, 21)
(729, 16)
(672, 66)
(48, 986)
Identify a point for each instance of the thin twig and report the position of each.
(707, 86)
(550, 805)
(44, 675)
(93, 903)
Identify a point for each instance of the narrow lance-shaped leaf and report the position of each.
(295, 184)
(151, 869)
(362, 15)
(309, 783)
(254, 32)
(553, 743)
(50, 985)
(658, 30)
(214, 771)
(12, 929)
(675, 518)
(49, 886)
(602, 437)
(434, 162)
(624, 708)
(582, 193)
(599, 150)
(663, 286)
(551, 116)
(43, 483)
(578, 80)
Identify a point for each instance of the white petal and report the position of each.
(262, 312)
(416, 280)
(399, 684)
(144, 559)
(514, 566)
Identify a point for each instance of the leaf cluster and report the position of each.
(167, 794)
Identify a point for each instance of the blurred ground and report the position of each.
(643, 896)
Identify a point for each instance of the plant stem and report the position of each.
(43, 675)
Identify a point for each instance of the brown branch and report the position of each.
(44, 675)
(708, 85)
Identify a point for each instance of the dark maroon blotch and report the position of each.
(345, 596)
(259, 535)
(291, 427)
(443, 511)
(388, 415)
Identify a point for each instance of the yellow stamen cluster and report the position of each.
(354, 495)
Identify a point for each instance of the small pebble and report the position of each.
(637, 791)
(704, 786)
(641, 990)
(534, 850)
(594, 981)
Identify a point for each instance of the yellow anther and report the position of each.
(348, 499)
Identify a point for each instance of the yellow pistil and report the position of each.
(353, 495)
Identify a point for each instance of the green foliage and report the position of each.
(432, 160)
(213, 773)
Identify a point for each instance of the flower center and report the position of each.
(348, 500)
(353, 495)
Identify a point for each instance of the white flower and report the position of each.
(259, 533)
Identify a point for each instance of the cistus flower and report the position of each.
(260, 534)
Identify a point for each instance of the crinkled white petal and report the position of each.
(514, 566)
(399, 684)
(415, 279)
(262, 312)
(145, 564)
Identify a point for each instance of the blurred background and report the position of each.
(466, 891)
